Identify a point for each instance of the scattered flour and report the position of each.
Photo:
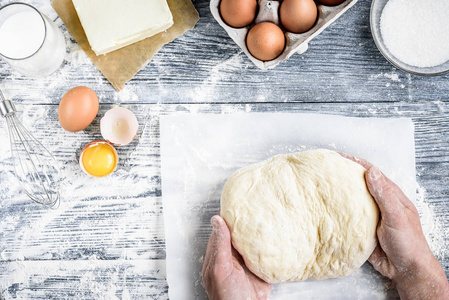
(128, 94)
(76, 56)
(85, 198)
(393, 76)
(437, 236)
(218, 73)
(441, 106)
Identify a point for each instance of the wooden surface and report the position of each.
(107, 238)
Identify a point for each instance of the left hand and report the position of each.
(224, 272)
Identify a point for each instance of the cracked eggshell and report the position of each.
(119, 126)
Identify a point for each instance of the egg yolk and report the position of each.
(99, 160)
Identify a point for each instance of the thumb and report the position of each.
(219, 249)
(380, 261)
(388, 196)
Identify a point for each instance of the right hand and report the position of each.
(402, 253)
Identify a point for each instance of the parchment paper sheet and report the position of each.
(121, 65)
(199, 152)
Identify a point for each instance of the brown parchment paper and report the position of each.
(121, 65)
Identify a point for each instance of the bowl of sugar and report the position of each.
(413, 35)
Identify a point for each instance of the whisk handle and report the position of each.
(7, 108)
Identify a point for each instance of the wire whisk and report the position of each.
(35, 167)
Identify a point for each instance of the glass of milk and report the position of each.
(29, 41)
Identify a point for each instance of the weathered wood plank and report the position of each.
(93, 279)
(204, 65)
(107, 239)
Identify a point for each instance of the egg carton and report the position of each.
(295, 43)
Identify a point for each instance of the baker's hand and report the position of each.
(402, 253)
(224, 272)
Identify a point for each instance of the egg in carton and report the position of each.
(268, 11)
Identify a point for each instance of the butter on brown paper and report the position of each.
(121, 65)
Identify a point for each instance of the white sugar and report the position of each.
(417, 31)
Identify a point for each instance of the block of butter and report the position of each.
(112, 24)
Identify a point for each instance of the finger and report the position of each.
(364, 163)
(383, 192)
(218, 250)
(367, 165)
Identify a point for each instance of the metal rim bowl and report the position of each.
(377, 7)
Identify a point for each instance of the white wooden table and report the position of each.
(106, 241)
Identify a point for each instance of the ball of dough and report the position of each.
(299, 216)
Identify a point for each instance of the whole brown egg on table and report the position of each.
(78, 108)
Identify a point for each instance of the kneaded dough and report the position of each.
(299, 216)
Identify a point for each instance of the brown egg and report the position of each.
(331, 2)
(238, 13)
(78, 108)
(298, 16)
(265, 41)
